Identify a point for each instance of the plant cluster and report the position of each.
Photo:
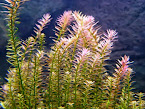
(72, 75)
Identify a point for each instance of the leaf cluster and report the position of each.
(72, 75)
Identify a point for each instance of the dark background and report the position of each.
(127, 17)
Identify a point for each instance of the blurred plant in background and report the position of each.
(72, 74)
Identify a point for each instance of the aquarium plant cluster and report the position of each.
(72, 75)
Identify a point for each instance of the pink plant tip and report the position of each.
(65, 19)
(85, 52)
(45, 19)
(83, 22)
(111, 34)
(124, 67)
(42, 23)
(82, 56)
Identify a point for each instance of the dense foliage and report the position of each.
(72, 74)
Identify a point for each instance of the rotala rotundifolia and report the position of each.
(72, 74)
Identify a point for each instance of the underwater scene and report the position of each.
(72, 54)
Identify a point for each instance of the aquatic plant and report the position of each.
(72, 75)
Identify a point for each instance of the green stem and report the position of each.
(128, 90)
(34, 77)
(61, 34)
(12, 33)
(58, 81)
(76, 75)
(50, 79)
